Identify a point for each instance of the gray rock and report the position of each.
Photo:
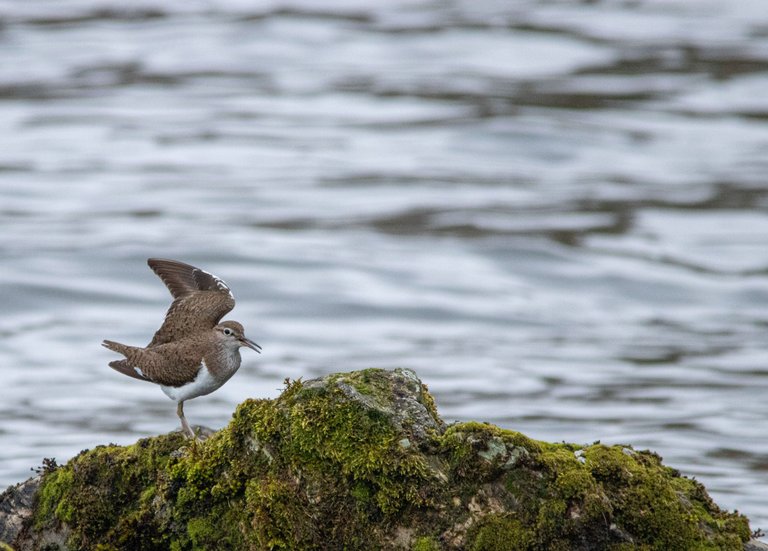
(16, 507)
(346, 459)
(398, 395)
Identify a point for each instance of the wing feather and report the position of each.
(172, 364)
(200, 300)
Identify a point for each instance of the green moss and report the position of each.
(480, 450)
(425, 543)
(659, 507)
(336, 462)
(51, 497)
(311, 448)
(101, 494)
(564, 493)
(486, 431)
(429, 401)
(331, 434)
(501, 533)
(273, 508)
(370, 382)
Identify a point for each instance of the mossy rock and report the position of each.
(362, 460)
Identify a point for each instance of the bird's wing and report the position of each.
(172, 364)
(200, 300)
(184, 279)
(124, 367)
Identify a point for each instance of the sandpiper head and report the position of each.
(232, 332)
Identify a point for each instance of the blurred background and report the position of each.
(556, 212)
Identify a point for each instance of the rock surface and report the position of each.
(362, 460)
(16, 508)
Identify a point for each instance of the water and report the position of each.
(555, 212)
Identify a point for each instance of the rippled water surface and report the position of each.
(555, 212)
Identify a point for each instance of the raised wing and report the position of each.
(200, 300)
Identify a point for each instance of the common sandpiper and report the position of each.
(194, 352)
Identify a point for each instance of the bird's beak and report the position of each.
(250, 344)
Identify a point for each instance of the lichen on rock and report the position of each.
(362, 460)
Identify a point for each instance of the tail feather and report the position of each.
(116, 347)
(123, 366)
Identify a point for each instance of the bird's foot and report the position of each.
(199, 433)
(196, 432)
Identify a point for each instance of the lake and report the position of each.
(556, 213)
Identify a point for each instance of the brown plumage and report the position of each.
(200, 300)
(152, 363)
(192, 354)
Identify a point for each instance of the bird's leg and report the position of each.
(184, 425)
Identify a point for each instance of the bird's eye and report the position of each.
(227, 331)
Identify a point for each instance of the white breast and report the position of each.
(203, 384)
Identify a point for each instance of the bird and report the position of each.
(193, 353)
